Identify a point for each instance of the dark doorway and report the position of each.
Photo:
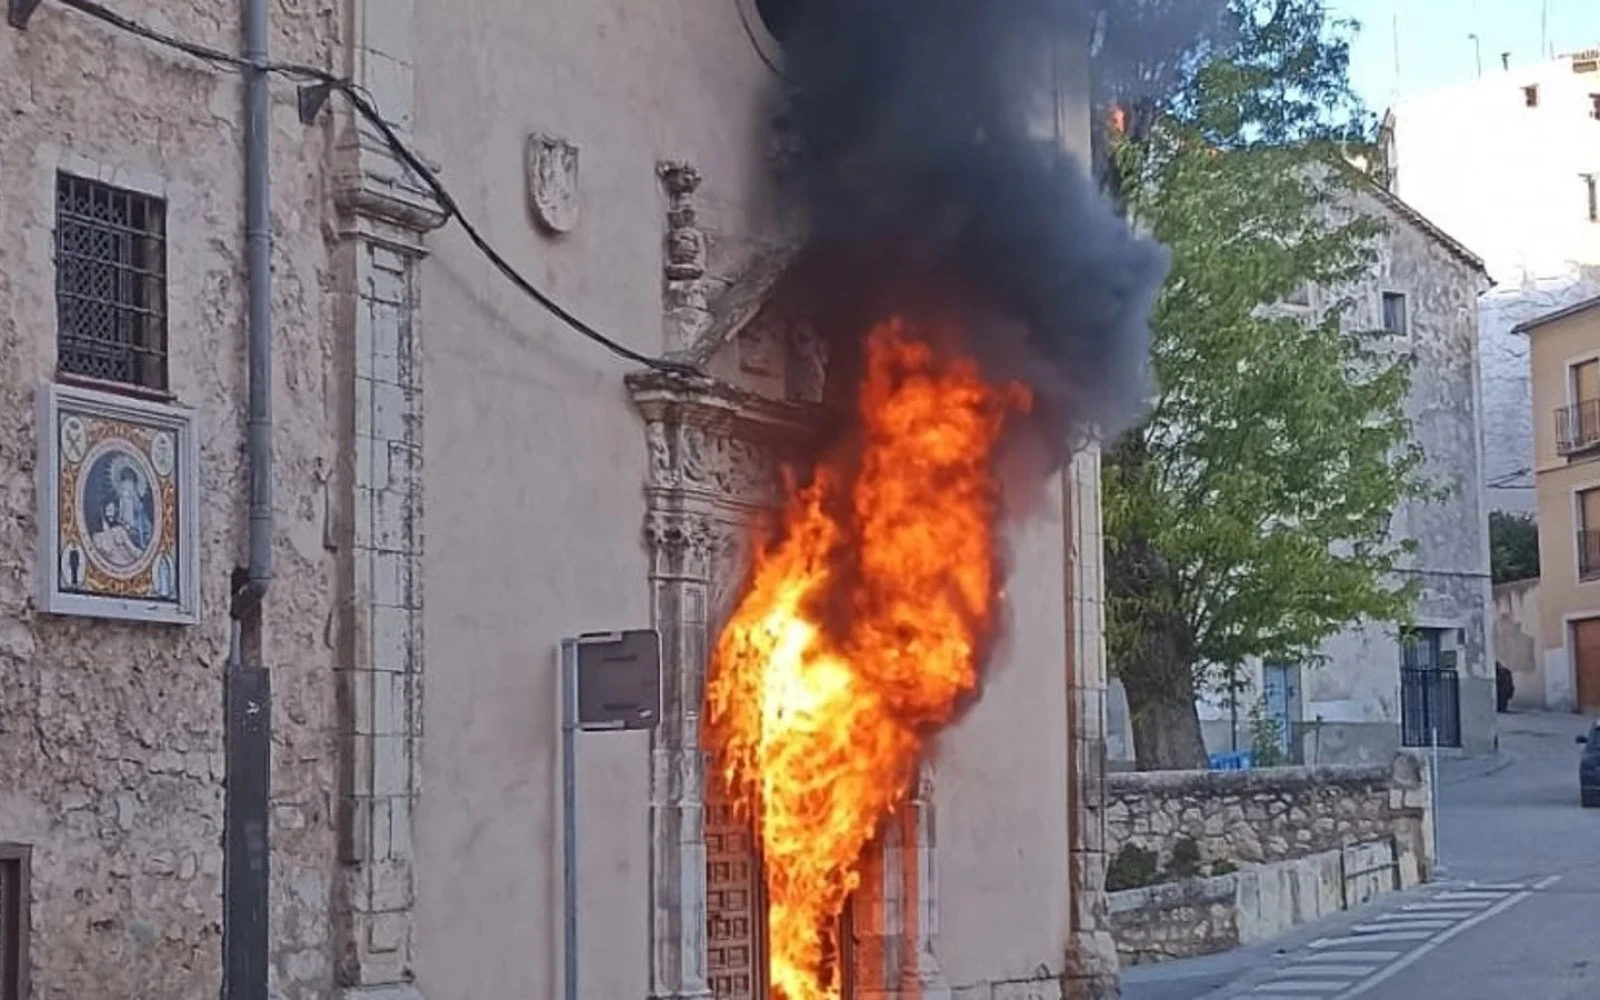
(1430, 690)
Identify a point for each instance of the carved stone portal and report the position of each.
(713, 483)
(717, 444)
(715, 457)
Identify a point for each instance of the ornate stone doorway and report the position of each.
(714, 455)
(717, 444)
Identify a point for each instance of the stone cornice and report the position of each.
(371, 184)
(714, 405)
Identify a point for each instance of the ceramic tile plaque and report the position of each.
(117, 507)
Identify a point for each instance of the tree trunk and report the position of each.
(1152, 644)
(1166, 726)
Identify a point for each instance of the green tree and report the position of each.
(1247, 515)
(1513, 547)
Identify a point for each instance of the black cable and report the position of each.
(368, 110)
(1506, 477)
(750, 33)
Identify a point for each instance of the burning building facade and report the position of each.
(862, 512)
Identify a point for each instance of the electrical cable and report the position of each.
(369, 111)
(750, 33)
(1508, 481)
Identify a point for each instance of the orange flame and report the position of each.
(858, 637)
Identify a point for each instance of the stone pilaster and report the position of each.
(895, 912)
(680, 557)
(383, 216)
(1090, 971)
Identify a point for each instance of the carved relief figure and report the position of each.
(553, 182)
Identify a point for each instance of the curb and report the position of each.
(1503, 760)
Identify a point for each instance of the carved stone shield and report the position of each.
(553, 182)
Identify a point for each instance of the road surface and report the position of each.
(1515, 914)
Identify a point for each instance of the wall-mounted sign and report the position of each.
(619, 680)
(118, 507)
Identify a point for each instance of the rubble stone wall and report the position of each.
(1163, 922)
(1283, 847)
(111, 732)
(1273, 814)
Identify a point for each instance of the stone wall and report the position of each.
(1274, 814)
(111, 733)
(1163, 922)
(1518, 643)
(1305, 842)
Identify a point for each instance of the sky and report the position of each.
(1436, 47)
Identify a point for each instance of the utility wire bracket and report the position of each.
(310, 99)
(18, 12)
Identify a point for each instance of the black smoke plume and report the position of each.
(934, 151)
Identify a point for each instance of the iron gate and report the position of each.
(1430, 703)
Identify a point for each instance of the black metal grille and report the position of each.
(1430, 707)
(111, 283)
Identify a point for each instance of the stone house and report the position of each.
(122, 310)
(459, 482)
(1372, 692)
(1505, 163)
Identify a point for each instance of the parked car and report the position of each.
(1589, 769)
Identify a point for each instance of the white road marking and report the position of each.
(1462, 897)
(1353, 971)
(1546, 883)
(1301, 986)
(1414, 924)
(1359, 940)
(1352, 956)
(1444, 907)
(1448, 916)
(1505, 904)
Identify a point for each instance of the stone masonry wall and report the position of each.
(1162, 922)
(1254, 817)
(111, 733)
(1285, 846)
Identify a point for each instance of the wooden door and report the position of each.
(735, 908)
(1586, 663)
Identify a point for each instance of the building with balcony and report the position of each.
(1509, 164)
(1564, 363)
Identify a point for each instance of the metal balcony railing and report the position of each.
(1588, 555)
(1578, 427)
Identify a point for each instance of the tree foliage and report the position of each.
(1513, 547)
(1247, 516)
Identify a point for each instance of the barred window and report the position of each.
(111, 284)
(15, 901)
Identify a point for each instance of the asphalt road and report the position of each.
(1515, 914)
